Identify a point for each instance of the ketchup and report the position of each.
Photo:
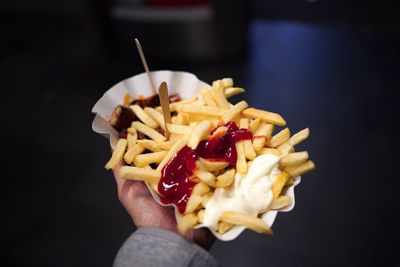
(177, 179)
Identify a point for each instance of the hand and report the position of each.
(146, 212)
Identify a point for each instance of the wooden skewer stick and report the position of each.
(164, 100)
(146, 67)
(162, 91)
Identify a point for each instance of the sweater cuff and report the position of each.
(149, 246)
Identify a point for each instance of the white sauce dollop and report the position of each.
(250, 193)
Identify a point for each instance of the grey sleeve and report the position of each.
(157, 247)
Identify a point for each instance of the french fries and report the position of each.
(251, 222)
(209, 116)
(266, 116)
(117, 154)
(150, 132)
(200, 132)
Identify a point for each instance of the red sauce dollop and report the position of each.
(177, 179)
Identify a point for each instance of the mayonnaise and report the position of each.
(250, 193)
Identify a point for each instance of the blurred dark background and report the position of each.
(330, 65)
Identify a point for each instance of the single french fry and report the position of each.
(206, 177)
(208, 100)
(290, 181)
(279, 184)
(202, 110)
(261, 135)
(192, 204)
(227, 82)
(294, 159)
(200, 215)
(186, 222)
(235, 110)
(241, 165)
(139, 174)
(200, 132)
(181, 142)
(156, 116)
(118, 153)
(251, 222)
(179, 129)
(231, 91)
(273, 151)
(280, 203)
(285, 148)
(223, 227)
(249, 152)
(299, 137)
(176, 106)
(266, 116)
(132, 138)
(218, 95)
(249, 163)
(253, 125)
(148, 131)
(149, 158)
(213, 166)
(303, 168)
(226, 178)
(155, 146)
(200, 189)
(206, 197)
(146, 119)
(133, 152)
(279, 138)
(182, 119)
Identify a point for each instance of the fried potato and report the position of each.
(223, 227)
(206, 198)
(294, 159)
(261, 135)
(254, 223)
(218, 95)
(299, 137)
(181, 142)
(253, 125)
(303, 168)
(149, 158)
(200, 189)
(150, 132)
(133, 152)
(155, 146)
(285, 148)
(146, 119)
(192, 204)
(266, 116)
(279, 184)
(117, 154)
(241, 165)
(225, 179)
(186, 222)
(279, 138)
(234, 111)
(231, 91)
(200, 132)
(132, 138)
(139, 174)
(280, 203)
(206, 177)
(202, 110)
(208, 100)
(213, 166)
(179, 129)
(273, 151)
(200, 215)
(156, 116)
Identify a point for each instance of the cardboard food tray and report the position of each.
(187, 85)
